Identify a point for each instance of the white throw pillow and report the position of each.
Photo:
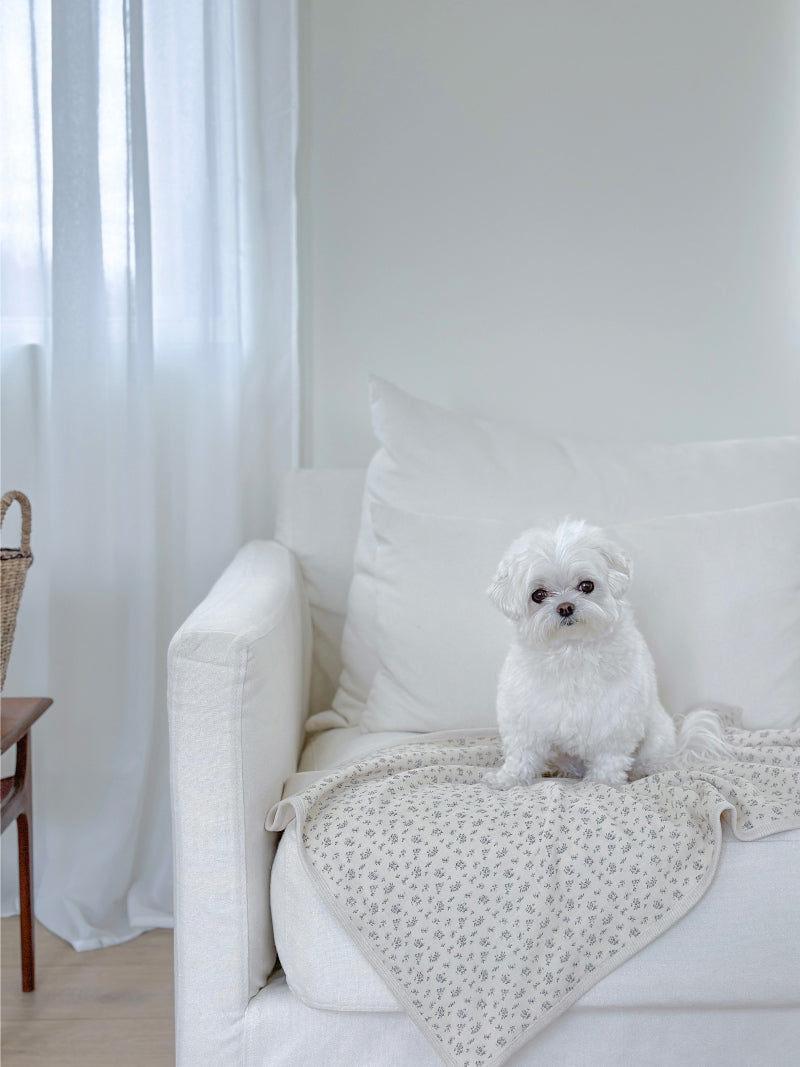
(444, 463)
(717, 596)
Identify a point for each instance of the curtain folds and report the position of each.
(150, 393)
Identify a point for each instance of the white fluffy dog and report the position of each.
(579, 683)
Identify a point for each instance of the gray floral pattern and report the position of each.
(488, 913)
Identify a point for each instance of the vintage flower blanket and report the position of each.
(487, 912)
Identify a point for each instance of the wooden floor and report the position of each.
(111, 1007)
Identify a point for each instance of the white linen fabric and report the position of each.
(488, 913)
(716, 595)
(439, 462)
(149, 393)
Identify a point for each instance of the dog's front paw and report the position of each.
(608, 770)
(501, 778)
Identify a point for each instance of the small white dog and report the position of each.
(579, 683)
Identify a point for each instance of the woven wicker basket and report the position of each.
(14, 563)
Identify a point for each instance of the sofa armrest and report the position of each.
(237, 697)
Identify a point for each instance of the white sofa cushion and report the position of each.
(438, 462)
(318, 519)
(731, 950)
(331, 748)
(717, 596)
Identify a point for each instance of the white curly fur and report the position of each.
(578, 691)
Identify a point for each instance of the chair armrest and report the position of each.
(237, 698)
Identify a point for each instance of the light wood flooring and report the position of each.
(112, 1006)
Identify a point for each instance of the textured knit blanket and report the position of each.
(488, 913)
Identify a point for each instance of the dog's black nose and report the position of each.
(565, 609)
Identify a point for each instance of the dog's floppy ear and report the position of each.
(504, 591)
(620, 568)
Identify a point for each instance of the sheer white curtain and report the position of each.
(150, 393)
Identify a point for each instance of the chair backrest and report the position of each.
(319, 513)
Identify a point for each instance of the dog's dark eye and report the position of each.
(538, 596)
(586, 587)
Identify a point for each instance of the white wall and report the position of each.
(585, 215)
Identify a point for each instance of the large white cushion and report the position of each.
(731, 950)
(438, 462)
(717, 596)
(318, 519)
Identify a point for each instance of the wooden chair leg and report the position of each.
(25, 901)
(25, 852)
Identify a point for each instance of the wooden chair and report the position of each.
(18, 715)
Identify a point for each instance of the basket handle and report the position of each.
(25, 507)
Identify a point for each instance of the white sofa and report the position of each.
(261, 652)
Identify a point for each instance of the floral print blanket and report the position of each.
(488, 913)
